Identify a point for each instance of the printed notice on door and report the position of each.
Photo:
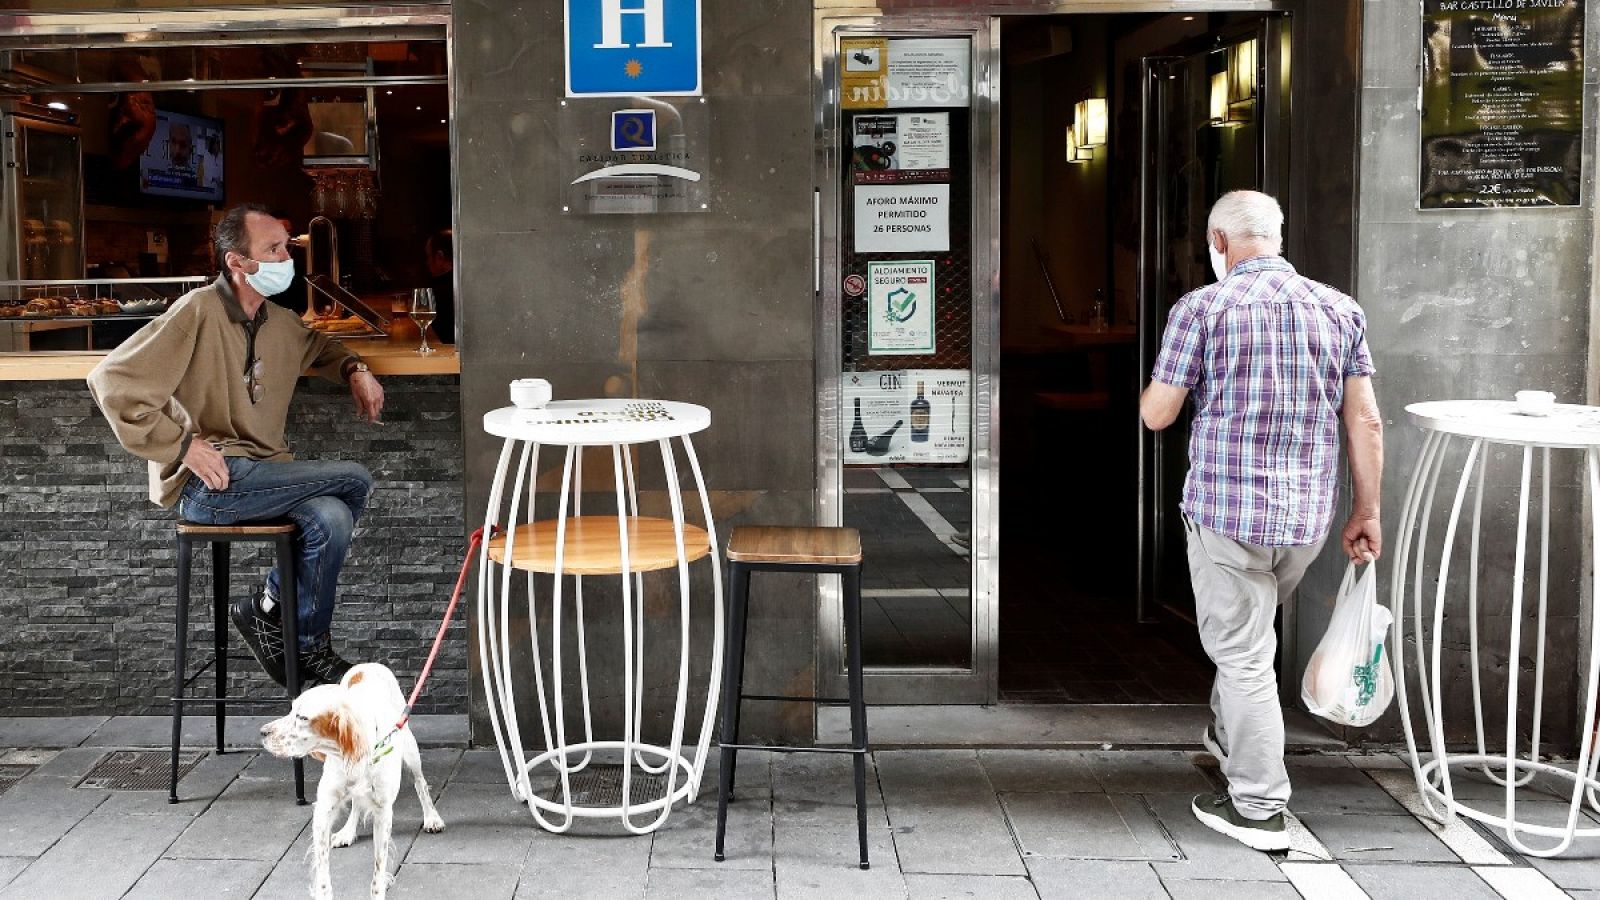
(900, 308)
(878, 73)
(903, 148)
(1502, 103)
(902, 218)
(907, 416)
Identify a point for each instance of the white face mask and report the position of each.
(1219, 262)
(271, 278)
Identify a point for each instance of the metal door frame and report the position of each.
(979, 683)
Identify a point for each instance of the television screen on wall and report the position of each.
(184, 158)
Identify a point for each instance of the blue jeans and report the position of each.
(323, 498)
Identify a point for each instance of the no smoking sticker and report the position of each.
(854, 285)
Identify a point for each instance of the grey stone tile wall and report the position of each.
(87, 563)
(713, 308)
(1466, 304)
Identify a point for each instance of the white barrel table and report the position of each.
(556, 555)
(1421, 569)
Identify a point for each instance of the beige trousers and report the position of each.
(1237, 590)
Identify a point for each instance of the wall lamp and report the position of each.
(1088, 129)
(1233, 90)
(1077, 153)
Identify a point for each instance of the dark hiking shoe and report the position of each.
(1216, 812)
(320, 665)
(262, 633)
(1213, 746)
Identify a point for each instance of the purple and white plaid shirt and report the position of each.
(1265, 353)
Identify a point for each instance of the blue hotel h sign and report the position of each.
(626, 48)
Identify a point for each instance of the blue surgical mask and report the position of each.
(271, 278)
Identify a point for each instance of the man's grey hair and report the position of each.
(1247, 215)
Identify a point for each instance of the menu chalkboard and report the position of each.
(1502, 103)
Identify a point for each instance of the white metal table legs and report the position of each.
(1513, 768)
(681, 769)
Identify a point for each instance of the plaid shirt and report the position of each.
(1265, 353)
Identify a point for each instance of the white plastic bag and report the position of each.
(1349, 680)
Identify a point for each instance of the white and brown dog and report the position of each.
(344, 725)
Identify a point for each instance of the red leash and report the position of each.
(382, 746)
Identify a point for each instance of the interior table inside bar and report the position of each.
(626, 777)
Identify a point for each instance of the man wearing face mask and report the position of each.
(1275, 362)
(203, 393)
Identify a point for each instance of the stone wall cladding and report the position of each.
(87, 563)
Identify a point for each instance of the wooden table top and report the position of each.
(385, 356)
(1074, 334)
(593, 546)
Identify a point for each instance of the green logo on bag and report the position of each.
(1366, 678)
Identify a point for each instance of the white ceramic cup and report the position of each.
(530, 393)
(1535, 403)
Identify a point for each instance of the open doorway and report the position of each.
(1119, 132)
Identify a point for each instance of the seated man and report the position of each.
(203, 393)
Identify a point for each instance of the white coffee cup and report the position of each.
(530, 393)
(1536, 403)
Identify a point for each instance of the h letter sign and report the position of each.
(628, 48)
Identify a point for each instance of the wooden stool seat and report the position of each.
(795, 546)
(593, 546)
(242, 529)
(811, 551)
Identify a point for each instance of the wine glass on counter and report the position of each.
(422, 312)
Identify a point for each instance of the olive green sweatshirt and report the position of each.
(185, 375)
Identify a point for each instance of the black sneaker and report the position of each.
(1217, 813)
(320, 665)
(262, 633)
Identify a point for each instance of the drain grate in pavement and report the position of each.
(601, 785)
(138, 770)
(10, 775)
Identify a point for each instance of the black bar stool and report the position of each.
(814, 551)
(221, 538)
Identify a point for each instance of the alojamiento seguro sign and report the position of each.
(1502, 103)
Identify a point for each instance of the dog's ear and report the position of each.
(339, 726)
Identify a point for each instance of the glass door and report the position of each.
(907, 291)
(1215, 121)
(49, 198)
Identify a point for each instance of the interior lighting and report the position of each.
(1219, 99)
(1077, 153)
(56, 104)
(1091, 118)
(1242, 72)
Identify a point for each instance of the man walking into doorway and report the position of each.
(203, 393)
(1274, 362)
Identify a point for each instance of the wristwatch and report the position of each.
(359, 367)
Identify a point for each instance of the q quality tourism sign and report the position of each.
(1502, 103)
(629, 48)
(900, 308)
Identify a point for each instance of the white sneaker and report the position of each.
(1216, 812)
